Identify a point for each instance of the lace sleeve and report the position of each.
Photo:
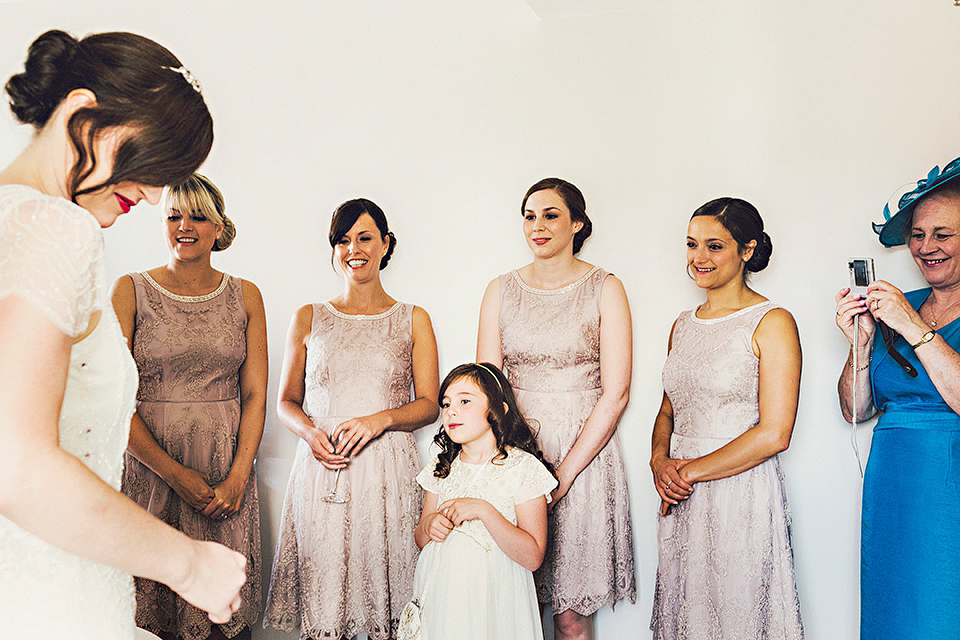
(427, 480)
(51, 254)
(533, 481)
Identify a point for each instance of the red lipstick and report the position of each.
(125, 203)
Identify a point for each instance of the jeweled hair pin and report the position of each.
(189, 77)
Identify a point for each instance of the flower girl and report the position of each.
(484, 524)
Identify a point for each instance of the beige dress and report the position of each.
(726, 562)
(189, 350)
(342, 569)
(551, 355)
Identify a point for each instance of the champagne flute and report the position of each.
(334, 497)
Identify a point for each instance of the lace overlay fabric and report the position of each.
(725, 556)
(342, 569)
(551, 354)
(468, 587)
(502, 483)
(51, 254)
(189, 351)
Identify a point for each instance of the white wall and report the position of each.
(445, 111)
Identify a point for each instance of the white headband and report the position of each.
(490, 371)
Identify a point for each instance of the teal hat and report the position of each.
(891, 231)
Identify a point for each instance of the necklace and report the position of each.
(935, 321)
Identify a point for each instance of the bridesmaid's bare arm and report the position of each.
(228, 495)
(616, 358)
(489, 348)
(292, 389)
(666, 470)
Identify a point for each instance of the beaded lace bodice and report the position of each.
(189, 348)
(551, 339)
(348, 357)
(51, 254)
(711, 374)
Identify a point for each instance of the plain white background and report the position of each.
(445, 111)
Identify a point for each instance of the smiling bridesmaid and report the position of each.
(560, 330)
(731, 387)
(199, 337)
(346, 556)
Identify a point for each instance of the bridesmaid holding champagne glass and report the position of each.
(346, 555)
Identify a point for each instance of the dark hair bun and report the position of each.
(761, 254)
(35, 93)
(584, 233)
(392, 239)
(744, 223)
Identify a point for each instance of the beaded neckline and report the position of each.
(729, 316)
(361, 316)
(179, 298)
(554, 292)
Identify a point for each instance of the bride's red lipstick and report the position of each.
(125, 203)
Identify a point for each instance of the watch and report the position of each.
(925, 338)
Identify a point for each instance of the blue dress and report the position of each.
(910, 548)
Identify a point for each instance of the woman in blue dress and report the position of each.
(910, 543)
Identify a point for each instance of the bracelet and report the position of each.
(925, 338)
(850, 363)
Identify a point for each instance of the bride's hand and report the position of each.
(215, 575)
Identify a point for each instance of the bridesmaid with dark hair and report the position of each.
(731, 385)
(559, 328)
(346, 556)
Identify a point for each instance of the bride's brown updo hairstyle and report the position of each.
(137, 84)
